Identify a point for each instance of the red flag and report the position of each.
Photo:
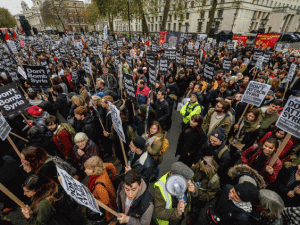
(22, 44)
(147, 43)
(6, 37)
(15, 36)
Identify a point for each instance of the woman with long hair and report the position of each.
(99, 182)
(50, 204)
(154, 142)
(191, 137)
(279, 135)
(259, 158)
(244, 134)
(189, 90)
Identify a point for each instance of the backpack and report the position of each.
(62, 164)
(165, 145)
(70, 130)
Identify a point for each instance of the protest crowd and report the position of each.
(71, 104)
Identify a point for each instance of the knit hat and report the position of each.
(182, 169)
(219, 133)
(143, 109)
(35, 110)
(140, 71)
(139, 142)
(246, 191)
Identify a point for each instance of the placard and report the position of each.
(12, 102)
(178, 58)
(163, 65)
(291, 72)
(289, 119)
(14, 77)
(189, 61)
(150, 59)
(152, 77)
(116, 120)
(37, 76)
(129, 86)
(4, 128)
(78, 191)
(74, 74)
(209, 69)
(259, 62)
(255, 93)
(226, 64)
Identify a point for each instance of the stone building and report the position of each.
(239, 16)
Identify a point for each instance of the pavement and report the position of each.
(16, 217)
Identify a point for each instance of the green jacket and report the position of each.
(154, 149)
(224, 123)
(266, 121)
(189, 110)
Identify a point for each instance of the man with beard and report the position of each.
(217, 117)
(62, 135)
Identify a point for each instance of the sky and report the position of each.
(14, 6)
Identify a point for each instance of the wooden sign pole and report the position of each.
(12, 196)
(14, 146)
(242, 115)
(25, 119)
(107, 208)
(285, 90)
(280, 149)
(18, 136)
(123, 150)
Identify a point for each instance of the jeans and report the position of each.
(156, 171)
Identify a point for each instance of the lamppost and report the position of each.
(129, 20)
(77, 17)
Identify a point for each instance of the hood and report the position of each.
(120, 104)
(88, 119)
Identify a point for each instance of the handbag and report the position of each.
(94, 216)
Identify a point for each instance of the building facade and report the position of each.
(33, 14)
(238, 16)
(75, 20)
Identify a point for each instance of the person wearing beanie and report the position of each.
(37, 117)
(139, 159)
(141, 75)
(164, 212)
(232, 205)
(190, 109)
(216, 147)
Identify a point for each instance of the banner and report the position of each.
(289, 119)
(116, 120)
(78, 191)
(241, 39)
(162, 37)
(37, 76)
(291, 73)
(255, 93)
(190, 61)
(226, 64)
(163, 65)
(209, 69)
(4, 128)
(129, 87)
(150, 59)
(12, 102)
(266, 40)
(152, 77)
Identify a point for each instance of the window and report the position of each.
(192, 4)
(70, 11)
(152, 27)
(186, 5)
(200, 24)
(271, 3)
(170, 17)
(179, 27)
(175, 17)
(174, 27)
(187, 16)
(155, 27)
(275, 4)
(160, 18)
(156, 19)
(71, 20)
(152, 19)
(187, 27)
(136, 27)
(169, 26)
(220, 13)
(76, 19)
(258, 15)
(159, 26)
(202, 15)
(217, 26)
(82, 20)
(222, 1)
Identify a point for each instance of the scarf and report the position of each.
(92, 180)
(249, 125)
(246, 206)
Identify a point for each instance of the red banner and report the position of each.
(242, 39)
(162, 37)
(266, 40)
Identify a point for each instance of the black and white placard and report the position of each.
(255, 93)
(163, 65)
(190, 60)
(152, 77)
(291, 72)
(129, 86)
(209, 69)
(116, 120)
(37, 76)
(4, 128)
(226, 64)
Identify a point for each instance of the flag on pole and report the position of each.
(6, 37)
(15, 36)
(82, 39)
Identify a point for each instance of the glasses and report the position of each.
(78, 142)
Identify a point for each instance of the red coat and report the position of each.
(247, 159)
(286, 149)
(63, 141)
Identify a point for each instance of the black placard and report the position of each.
(37, 76)
(14, 77)
(163, 65)
(257, 54)
(74, 74)
(152, 77)
(129, 86)
(12, 102)
(150, 59)
(190, 60)
(209, 69)
(178, 58)
(226, 64)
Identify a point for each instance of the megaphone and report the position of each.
(176, 185)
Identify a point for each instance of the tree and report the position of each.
(91, 14)
(6, 19)
(54, 13)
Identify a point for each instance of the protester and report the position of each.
(190, 109)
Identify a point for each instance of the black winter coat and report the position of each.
(87, 126)
(216, 94)
(62, 105)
